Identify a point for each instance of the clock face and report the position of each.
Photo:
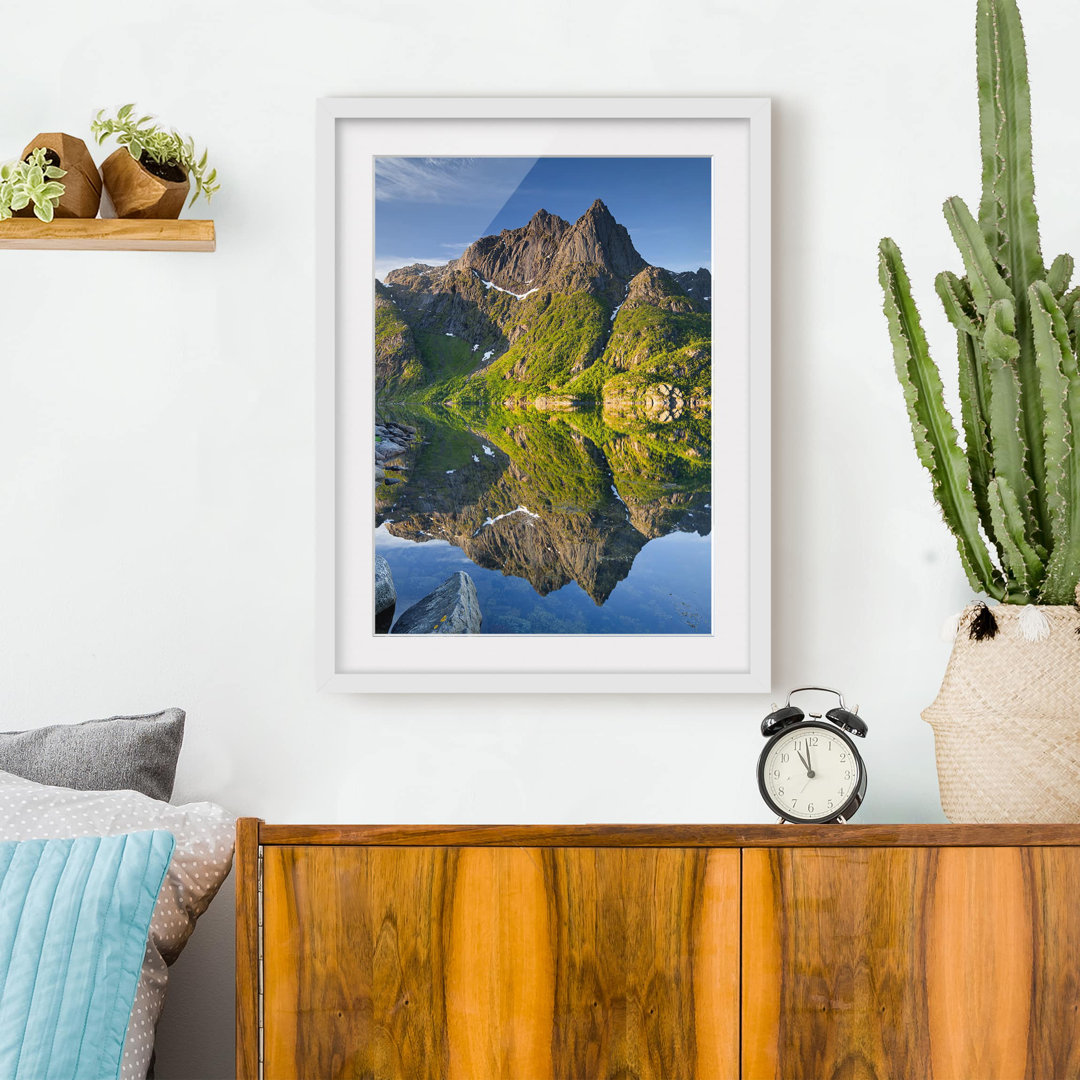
(810, 772)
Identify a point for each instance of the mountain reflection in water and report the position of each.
(571, 522)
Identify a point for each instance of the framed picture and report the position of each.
(543, 402)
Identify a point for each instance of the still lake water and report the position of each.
(567, 522)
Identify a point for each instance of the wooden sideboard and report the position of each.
(642, 952)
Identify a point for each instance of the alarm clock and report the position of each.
(810, 771)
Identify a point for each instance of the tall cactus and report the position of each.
(1011, 495)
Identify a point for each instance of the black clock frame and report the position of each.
(848, 810)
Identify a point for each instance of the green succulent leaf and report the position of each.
(31, 182)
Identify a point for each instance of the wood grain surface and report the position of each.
(135, 192)
(950, 964)
(708, 836)
(247, 949)
(107, 234)
(491, 963)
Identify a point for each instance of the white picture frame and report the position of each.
(351, 132)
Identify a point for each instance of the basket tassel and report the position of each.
(983, 625)
(951, 627)
(1034, 625)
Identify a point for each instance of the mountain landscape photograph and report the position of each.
(543, 395)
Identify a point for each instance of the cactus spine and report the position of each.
(1011, 495)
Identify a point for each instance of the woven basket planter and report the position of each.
(1007, 721)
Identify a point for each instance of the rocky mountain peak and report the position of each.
(546, 222)
(661, 289)
(596, 238)
(516, 258)
(696, 283)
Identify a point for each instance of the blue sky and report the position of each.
(430, 209)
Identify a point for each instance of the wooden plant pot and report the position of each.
(135, 192)
(82, 185)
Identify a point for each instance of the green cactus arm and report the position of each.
(1007, 211)
(1060, 274)
(1070, 308)
(1000, 327)
(958, 302)
(987, 284)
(1022, 563)
(974, 408)
(1060, 384)
(1054, 393)
(959, 307)
(1007, 214)
(1009, 452)
(931, 424)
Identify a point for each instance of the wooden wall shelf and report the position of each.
(106, 234)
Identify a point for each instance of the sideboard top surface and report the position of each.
(711, 836)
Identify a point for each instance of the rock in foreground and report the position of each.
(452, 608)
(385, 596)
(385, 593)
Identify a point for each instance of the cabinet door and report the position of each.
(500, 963)
(936, 963)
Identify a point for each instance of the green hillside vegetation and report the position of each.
(397, 364)
(565, 334)
(648, 346)
(650, 460)
(558, 468)
(562, 351)
(445, 358)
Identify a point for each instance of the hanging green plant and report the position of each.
(168, 155)
(32, 182)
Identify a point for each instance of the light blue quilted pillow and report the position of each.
(74, 917)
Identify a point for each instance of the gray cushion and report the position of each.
(133, 753)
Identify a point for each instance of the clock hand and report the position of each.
(809, 767)
(804, 760)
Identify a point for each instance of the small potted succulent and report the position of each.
(82, 188)
(31, 185)
(152, 172)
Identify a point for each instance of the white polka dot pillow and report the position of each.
(201, 860)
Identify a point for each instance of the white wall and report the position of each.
(156, 411)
